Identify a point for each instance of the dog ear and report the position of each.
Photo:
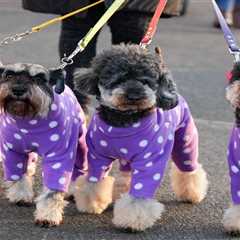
(86, 81)
(57, 78)
(235, 74)
(167, 97)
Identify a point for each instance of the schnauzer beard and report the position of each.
(34, 103)
(117, 100)
(233, 94)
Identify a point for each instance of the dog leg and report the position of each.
(231, 220)
(32, 163)
(121, 184)
(136, 214)
(49, 208)
(189, 186)
(20, 192)
(93, 197)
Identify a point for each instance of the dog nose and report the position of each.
(135, 95)
(19, 90)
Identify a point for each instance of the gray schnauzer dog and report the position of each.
(142, 121)
(231, 219)
(36, 119)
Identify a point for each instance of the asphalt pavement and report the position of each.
(197, 55)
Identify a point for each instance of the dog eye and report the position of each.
(9, 77)
(40, 79)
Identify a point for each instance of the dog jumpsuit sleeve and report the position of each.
(147, 171)
(185, 149)
(234, 167)
(14, 163)
(80, 166)
(99, 164)
(58, 165)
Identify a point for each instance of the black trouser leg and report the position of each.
(129, 27)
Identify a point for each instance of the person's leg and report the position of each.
(236, 14)
(72, 30)
(129, 27)
(226, 7)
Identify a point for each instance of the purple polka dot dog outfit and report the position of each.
(59, 139)
(144, 147)
(234, 163)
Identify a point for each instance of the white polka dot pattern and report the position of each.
(136, 125)
(124, 150)
(103, 143)
(54, 137)
(15, 177)
(234, 169)
(56, 165)
(156, 176)
(33, 122)
(9, 145)
(143, 143)
(53, 124)
(62, 180)
(23, 130)
(138, 186)
(20, 165)
(147, 155)
(53, 107)
(17, 136)
(160, 139)
(93, 179)
(149, 164)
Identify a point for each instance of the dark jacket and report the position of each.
(65, 6)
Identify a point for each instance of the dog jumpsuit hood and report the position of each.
(144, 147)
(55, 138)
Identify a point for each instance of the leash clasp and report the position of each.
(235, 54)
(15, 38)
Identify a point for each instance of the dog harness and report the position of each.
(59, 139)
(144, 147)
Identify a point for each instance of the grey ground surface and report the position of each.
(197, 55)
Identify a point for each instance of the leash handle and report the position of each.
(147, 39)
(228, 35)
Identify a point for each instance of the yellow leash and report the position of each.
(59, 19)
(82, 44)
(41, 26)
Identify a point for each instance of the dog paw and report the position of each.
(24, 204)
(46, 223)
(136, 214)
(49, 208)
(121, 185)
(231, 220)
(93, 197)
(189, 186)
(20, 192)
